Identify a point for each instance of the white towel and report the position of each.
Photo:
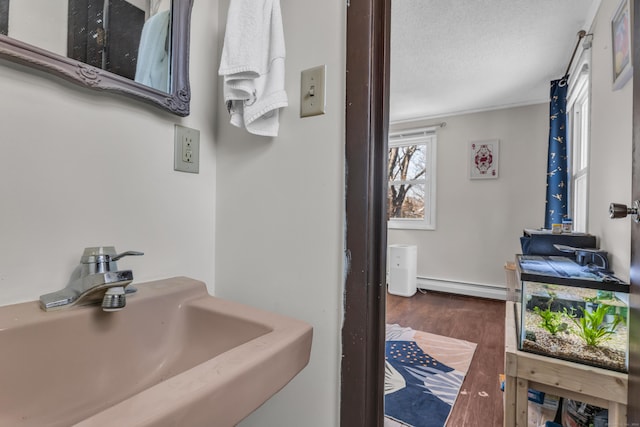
(152, 68)
(252, 64)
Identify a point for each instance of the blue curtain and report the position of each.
(557, 178)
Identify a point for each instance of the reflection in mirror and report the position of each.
(4, 17)
(126, 37)
(136, 47)
(152, 68)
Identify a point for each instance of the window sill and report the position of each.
(409, 226)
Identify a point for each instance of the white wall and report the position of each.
(611, 145)
(280, 210)
(83, 168)
(479, 222)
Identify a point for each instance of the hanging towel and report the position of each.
(152, 68)
(252, 64)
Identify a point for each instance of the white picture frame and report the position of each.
(484, 158)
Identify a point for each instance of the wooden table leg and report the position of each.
(617, 414)
(522, 402)
(509, 401)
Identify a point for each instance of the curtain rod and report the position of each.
(416, 131)
(581, 35)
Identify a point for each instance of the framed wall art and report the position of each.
(483, 159)
(621, 45)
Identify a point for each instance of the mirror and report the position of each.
(138, 48)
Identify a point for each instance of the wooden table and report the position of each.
(523, 370)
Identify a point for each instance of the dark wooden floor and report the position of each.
(472, 319)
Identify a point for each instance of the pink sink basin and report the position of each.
(175, 356)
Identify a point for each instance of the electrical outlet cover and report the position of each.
(186, 150)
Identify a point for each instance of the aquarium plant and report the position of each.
(551, 320)
(592, 328)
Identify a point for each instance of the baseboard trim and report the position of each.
(462, 288)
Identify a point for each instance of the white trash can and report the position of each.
(403, 260)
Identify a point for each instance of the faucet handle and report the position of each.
(124, 254)
(102, 259)
(104, 254)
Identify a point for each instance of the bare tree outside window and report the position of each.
(407, 179)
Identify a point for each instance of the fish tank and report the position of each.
(573, 312)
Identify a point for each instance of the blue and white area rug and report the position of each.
(423, 376)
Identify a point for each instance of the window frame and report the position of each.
(579, 141)
(428, 138)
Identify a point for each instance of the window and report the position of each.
(578, 148)
(412, 179)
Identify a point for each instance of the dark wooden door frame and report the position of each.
(633, 395)
(367, 105)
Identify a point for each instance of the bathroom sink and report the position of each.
(175, 356)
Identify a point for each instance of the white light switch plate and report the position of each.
(186, 150)
(312, 91)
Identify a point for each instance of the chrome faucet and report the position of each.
(97, 278)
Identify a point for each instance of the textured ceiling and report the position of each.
(455, 56)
